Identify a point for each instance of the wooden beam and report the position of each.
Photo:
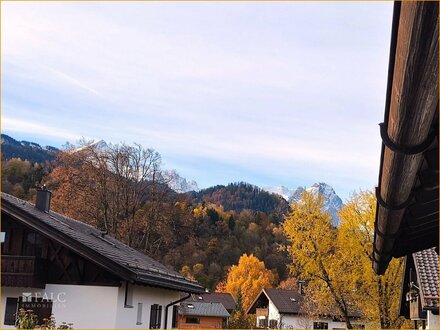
(412, 107)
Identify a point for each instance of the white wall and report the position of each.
(273, 312)
(302, 322)
(98, 306)
(84, 306)
(127, 317)
(432, 322)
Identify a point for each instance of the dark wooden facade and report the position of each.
(30, 259)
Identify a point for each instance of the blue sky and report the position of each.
(270, 93)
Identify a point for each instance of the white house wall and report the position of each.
(273, 312)
(98, 306)
(291, 321)
(127, 317)
(432, 321)
(84, 306)
(301, 322)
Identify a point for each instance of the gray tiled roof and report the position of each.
(145, 269)
(290, 301)
(197, 308)
(225, 299)
(426, 264)
(286, 301)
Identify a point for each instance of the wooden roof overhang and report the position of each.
(407, 196)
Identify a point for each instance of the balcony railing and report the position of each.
(22, 271)
(262, 312)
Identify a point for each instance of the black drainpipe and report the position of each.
(171, 304)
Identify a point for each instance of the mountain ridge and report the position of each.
(12, 148)
(31, 151)
(332, 202)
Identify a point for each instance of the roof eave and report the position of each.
(123, 272)
(405, 103)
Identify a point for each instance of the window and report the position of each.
(32, 244)
(40, 306)
(192, 320)
(3, 240)
(128, 302)
(262, 323)
(155, 316)
(273, 324)
(320, 325)
(10, 311)
(139, 314)
(175, 316)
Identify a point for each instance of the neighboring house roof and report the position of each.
(226, 299)
(421, 271)
(197, 308)
(92, 244)
(426, 264)
(407, 212)
(285, 301)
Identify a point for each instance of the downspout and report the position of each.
(171, 304)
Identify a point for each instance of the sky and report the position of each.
(271, 93)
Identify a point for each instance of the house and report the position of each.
(420, 289)
(281, 309)
(226, 299)
(202, 315)
(55, 264)
(407, 213)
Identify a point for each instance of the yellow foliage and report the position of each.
(338, 261)
(376, 296)
(250, 276)
(316, 257)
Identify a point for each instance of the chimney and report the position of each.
(301, 286)
(43, 199)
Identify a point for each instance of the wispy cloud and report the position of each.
(37, 129)
(69, 79)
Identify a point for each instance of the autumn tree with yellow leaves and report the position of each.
(376, 296)
(250, 276)
(337, 262)
(316, 257)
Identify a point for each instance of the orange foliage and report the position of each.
(251, 276)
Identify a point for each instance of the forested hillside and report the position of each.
(235, 238)
(26, 150)
(120, 190)
(241, 196)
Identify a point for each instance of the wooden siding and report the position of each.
(206, 322)
(22, 271)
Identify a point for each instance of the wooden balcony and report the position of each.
(22, 271)
(262, 312)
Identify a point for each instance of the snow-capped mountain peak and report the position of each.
(332, 202)
(178, 183)
(100, 145)
(283, 191)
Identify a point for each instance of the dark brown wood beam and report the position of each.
(412, 107)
